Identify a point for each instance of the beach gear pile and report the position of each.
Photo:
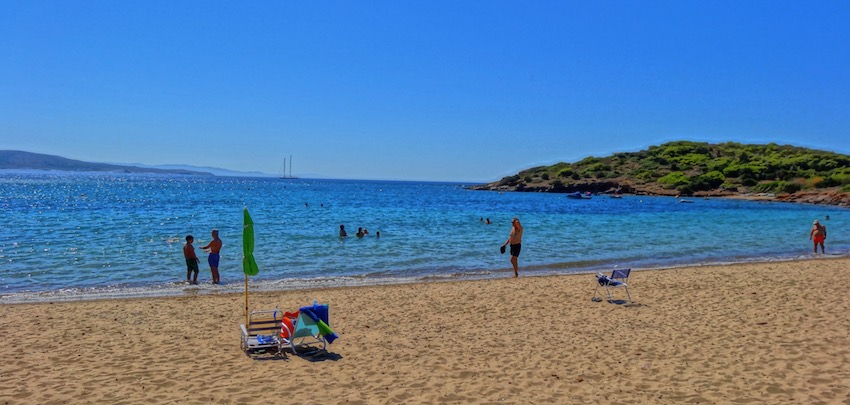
(305, 331)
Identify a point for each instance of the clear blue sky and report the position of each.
(416, 90)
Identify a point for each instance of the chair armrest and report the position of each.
(244, 330)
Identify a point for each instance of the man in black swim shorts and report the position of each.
(515, 240)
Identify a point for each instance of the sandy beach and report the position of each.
(745, 333)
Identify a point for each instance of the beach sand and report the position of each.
(733, 334)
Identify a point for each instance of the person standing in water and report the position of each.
(191, 260)
(515, 240)
(214, 249)
(818, 235)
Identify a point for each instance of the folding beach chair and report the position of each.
(617, 279)
(262, 334)
(310, 332)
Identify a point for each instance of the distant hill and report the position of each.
(213, 170)
(11, 159)
(697, 169)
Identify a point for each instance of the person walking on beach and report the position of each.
(214, 249)
(191, 260)
(515, 240)
(818, 235)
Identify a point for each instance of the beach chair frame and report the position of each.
(262, 334)
(618, 279)
(305, 338)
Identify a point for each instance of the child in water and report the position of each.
(191, 260)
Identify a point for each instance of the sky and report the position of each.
(416, 90)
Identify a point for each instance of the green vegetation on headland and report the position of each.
(18, 160)
(729, 169)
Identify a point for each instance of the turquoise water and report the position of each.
(77, 235)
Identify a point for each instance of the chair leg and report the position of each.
(628, 293)
(596, 296)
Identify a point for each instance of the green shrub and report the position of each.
(780, 186)
(646, 175)
(828, 182)
(713, 179)
(693, 160)
(750, 170)
(719, 164)
(510, 180)
(791, 187)
(842, 177)
(588, 161)
(674, 179)
(748, 181)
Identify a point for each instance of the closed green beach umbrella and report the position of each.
(249, 265)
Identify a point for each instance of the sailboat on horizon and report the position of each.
(283, 169)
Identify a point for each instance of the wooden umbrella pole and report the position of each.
(246, 299)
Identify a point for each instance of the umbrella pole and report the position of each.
(246, 299)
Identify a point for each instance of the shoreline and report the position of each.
(752, 332)
(182, 289)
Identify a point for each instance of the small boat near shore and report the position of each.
(579, 196)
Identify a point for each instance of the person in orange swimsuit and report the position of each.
(818, 235)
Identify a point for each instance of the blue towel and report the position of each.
(605, 280)
(266, 339)
(320, 310)
(324, 328)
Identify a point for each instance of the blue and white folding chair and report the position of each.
(262, 333)
(617, 279)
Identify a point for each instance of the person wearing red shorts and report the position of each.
(818, 235)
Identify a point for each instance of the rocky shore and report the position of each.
(826, 196)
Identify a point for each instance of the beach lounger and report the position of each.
(617, 279)
(262, 333)
(310, 333)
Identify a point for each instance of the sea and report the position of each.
(71, 236)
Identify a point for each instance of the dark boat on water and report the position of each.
(579, 196)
